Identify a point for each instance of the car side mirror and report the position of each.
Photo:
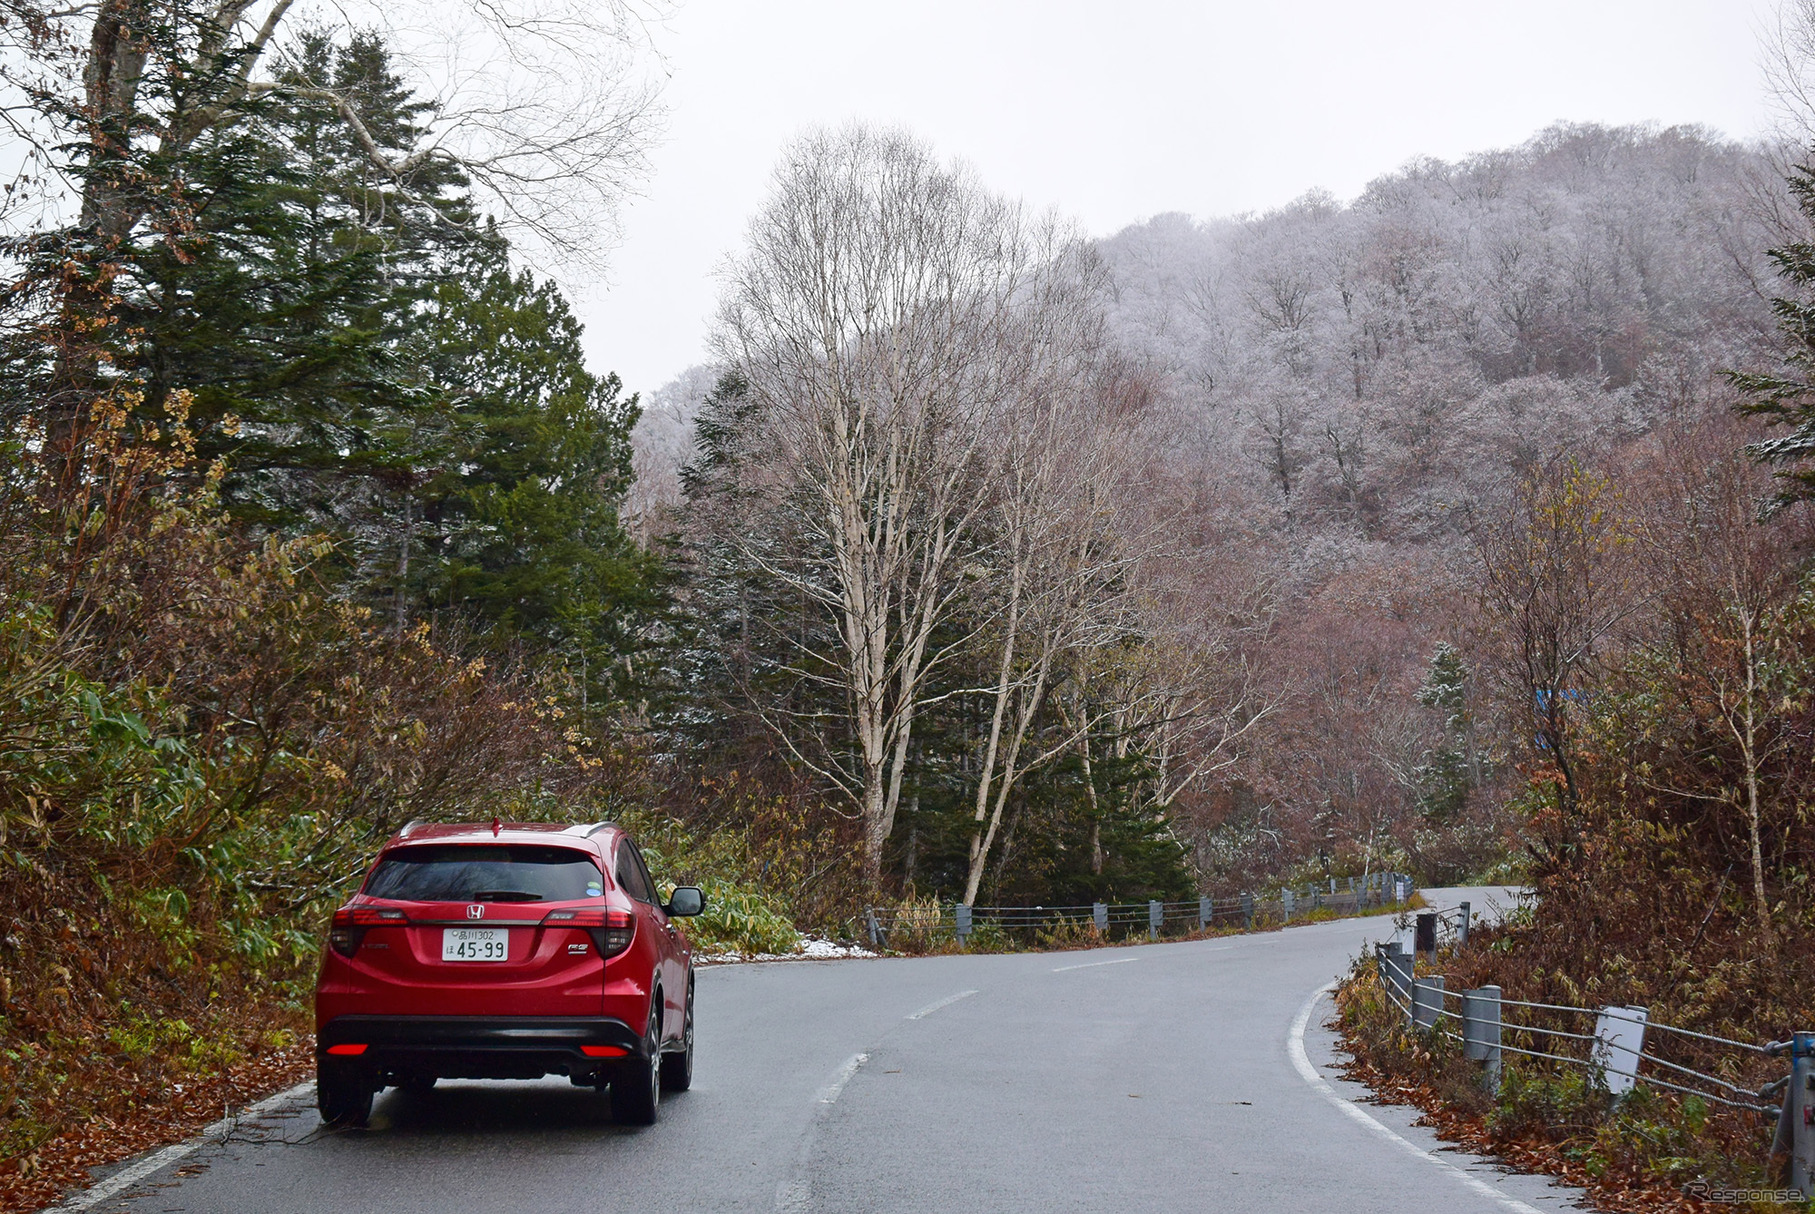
(685, 900)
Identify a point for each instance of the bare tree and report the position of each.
(1787, 50)
(1556, 565)
(1731, 594)
(1063, 550)
(879, 317)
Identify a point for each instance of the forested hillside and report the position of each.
(1326, 418)
(1372, 388)
(1461, 529)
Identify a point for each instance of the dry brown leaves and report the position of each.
(1617, 1191)
(39, 1179)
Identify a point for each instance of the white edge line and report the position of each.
(1088, 965)
(841, 1077)
(1295, 1045)
(129, 1176)
(930, 1008)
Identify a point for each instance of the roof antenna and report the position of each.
(497, 827)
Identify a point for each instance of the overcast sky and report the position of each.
(1114, 113)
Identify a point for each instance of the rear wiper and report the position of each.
(505, 895)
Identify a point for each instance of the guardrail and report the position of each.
(1618, 1050)
(1124, 919)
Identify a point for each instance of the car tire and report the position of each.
(636, 1088)
(343, 1094)
(677, 1067)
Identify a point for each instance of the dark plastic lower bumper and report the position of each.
(479, 1047)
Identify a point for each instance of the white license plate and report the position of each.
(475, 944)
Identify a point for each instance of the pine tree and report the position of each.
(516, 518)
(391, 381)
(1445, 778)
(1787, 399)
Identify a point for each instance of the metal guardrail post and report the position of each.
(1286, 902)
(1462, 925)
(1156, 915)
(875, 928)
(1424, 939)
(1396, 964)
(1099, 915)
(1205, 913)
(1481, 1032)
(1427, 1001)
(1800, 1103)
(961, 923)
(1247, 910)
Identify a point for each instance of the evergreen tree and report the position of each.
(1445, 778)
(515, 517)
(1787, 398)
(358, 349)
(285, 303)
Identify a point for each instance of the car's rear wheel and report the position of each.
(677, 1068)
(636, 1088)
(343, 1094)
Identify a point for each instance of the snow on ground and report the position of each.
(810, 948)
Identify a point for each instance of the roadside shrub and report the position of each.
(739, 921)
(199, 748)
(1070, 933)
(922, 926)
(1552, 1115)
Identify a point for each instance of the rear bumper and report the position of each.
(479, 1047)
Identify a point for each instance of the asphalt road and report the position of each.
(1171, 1077)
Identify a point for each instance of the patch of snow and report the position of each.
(810, 948)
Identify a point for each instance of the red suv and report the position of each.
(509, 951)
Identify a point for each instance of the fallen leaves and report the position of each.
(169, 1115)
(1617, 1190)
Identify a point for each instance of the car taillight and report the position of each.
(611, 930)
(351, 922)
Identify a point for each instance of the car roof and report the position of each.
(586, 837)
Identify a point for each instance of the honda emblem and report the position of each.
(475, 911)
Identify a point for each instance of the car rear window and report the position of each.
(469, 872)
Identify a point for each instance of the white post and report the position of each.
(1619, 1040)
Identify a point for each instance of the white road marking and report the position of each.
(930, 1008)
(129, 1176)
(794, 1193)
(829, 1094)
(1295, 1045)
(1090, 965)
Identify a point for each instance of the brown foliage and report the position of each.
(199, 748)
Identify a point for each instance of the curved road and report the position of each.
(1171, 1077)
